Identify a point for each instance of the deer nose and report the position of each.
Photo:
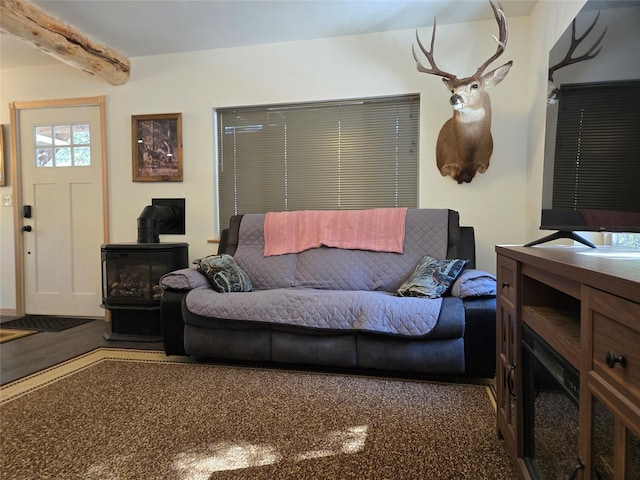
(455, 99)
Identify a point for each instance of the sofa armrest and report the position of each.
(183, 279)
(480, 337)
(172, 322)
(474, 283)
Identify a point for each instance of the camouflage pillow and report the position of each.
(224, 274)
(432, 278)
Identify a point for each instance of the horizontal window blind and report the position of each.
(318, 156)
(597, 155)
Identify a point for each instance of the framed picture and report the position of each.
(157, 147)
(3, 180)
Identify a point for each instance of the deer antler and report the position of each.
(567, 60)
(434, 70)
(501, 18)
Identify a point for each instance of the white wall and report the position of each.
(357, 66)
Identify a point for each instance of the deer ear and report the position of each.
(447, 83)
(494, 77)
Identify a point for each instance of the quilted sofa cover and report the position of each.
(333, 307)
(330, 288)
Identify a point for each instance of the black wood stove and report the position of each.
(131, 286)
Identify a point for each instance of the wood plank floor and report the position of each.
(30, 354)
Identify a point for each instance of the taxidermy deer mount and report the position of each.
(464, 144)
(553, 92)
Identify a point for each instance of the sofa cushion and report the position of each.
(427, 231)
(432, 278)
(264, 272)
(318, 309)
(224, 274)
(337, 269)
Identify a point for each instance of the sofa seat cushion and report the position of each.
(364, 311)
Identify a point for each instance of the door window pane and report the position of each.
(62, 134)
(63, 145)
(63, 157)
(81, 134)
(81, 156)
(44, 157)
(44, 136)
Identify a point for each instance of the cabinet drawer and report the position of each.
(616, 340)
(507, 280)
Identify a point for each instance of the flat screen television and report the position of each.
(591, 175)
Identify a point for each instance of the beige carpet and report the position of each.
(122, 414)
(11, 334)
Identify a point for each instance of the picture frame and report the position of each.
(3, 178)
(157, 147)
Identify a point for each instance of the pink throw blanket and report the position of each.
(378, 229)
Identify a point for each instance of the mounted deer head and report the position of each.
(553, 92)
(465, 144)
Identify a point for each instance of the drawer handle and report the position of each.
(506, 285)
(611, 360)
(511, 381)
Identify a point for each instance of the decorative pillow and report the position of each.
(474, 283)
(432, 278)
(224, 274)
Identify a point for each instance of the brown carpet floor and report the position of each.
(120, 419)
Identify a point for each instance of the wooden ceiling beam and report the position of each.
(51, 36)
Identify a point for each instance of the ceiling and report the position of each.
(151, 27)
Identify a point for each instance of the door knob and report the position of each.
(26, 228)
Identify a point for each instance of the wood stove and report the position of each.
(131, 286)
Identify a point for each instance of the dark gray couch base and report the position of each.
(346, 350)
(471, 355)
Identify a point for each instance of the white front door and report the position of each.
(61, 172)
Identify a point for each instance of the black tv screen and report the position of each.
(591, 176)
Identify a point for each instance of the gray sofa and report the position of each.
(291, 316)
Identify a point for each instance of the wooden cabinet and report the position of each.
(584, 306)
(508, 340)
(610, 393)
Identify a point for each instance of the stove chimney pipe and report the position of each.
(150, 220)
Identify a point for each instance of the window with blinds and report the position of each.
(597, 155)
(318, 156)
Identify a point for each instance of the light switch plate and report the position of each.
(7, 200)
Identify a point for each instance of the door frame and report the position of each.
(16, 177)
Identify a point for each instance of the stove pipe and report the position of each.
(150, 221)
